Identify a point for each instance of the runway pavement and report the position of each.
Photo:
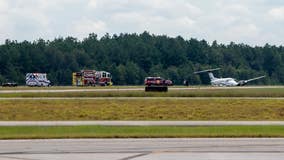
(141, 123)
(138, 98)
(55, 90)
(144, 149)
(69, 90)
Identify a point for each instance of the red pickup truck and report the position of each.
(157, 81)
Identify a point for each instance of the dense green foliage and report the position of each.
(131, 57)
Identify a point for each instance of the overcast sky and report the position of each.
(253, 22)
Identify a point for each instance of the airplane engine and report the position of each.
(242, 83)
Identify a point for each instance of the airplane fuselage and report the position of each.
(224, 82)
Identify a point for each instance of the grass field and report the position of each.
(143, 109)
(140, 109)
(139, 132)
(204, 92)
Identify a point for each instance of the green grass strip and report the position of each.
(211, 92)
(139, 132)
(135, 109)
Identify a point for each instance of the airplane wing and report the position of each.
(254, 78)
(244, 82)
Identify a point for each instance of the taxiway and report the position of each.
(144, 149)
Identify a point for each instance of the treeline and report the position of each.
(132, 57)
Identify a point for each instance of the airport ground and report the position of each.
(254, 103)
(51, 132)
(144, 149)
(138, 91)
(189, 104)
(141, 108)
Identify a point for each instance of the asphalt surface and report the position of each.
(144, 149)
(141, 123)
(138, 98)
(51, 90)
(69, 90)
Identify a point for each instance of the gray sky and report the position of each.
(254, 22)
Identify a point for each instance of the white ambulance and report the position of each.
(37, 79)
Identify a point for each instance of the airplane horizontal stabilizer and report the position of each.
(208, 70)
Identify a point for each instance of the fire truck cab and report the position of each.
(103, 78)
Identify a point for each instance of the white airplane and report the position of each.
(228, 82)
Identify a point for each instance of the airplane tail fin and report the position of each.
(209, 71)
(211, 76)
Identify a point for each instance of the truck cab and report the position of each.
(103, 78)
(157, 81)
(157, 84)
